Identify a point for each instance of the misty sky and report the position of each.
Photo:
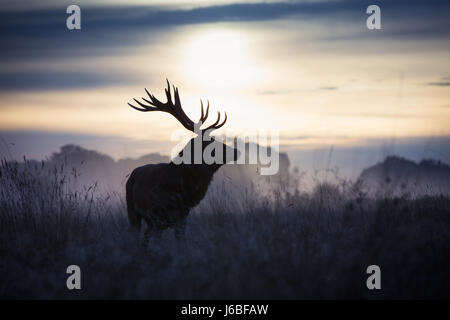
(310, 69)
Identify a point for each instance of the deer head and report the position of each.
(203, 140)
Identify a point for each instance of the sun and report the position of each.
(219, 59)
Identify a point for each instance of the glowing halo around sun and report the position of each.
(219, 59)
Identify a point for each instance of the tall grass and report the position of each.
(289, 245)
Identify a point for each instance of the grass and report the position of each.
(291, 245)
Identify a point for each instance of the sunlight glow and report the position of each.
(219, 59)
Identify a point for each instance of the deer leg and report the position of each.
(179, 230)
(152, 231)
(135, 221)
(180, 227)
(134, 218)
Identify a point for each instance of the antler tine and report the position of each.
(204, 116)
(168, 93)
(207, 111)
(177, 97)
(213, 126)
(178, 112)
(154, 104)
(146, 100)
(139, 109)
(144, 107)
(153, 101)
(221, 125)
(149, 94)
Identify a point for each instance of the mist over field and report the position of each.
(251, 237)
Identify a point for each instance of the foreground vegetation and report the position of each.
(291, 245)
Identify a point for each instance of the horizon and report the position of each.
(348, 161)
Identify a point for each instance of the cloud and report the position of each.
(299, 137)
(384, 115)
(29, 81)
(439, 84)
(328, 88)
(274, 92)
(41, 34)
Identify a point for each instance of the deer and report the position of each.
(163, 194)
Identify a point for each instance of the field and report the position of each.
(292, 245)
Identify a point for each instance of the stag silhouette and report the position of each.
(163, 194)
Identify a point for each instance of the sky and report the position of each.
(310, 70)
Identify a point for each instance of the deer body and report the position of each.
(163, 194)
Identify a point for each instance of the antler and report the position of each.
(176, 110)
(214, 125)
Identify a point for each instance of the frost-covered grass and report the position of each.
(291, 246)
